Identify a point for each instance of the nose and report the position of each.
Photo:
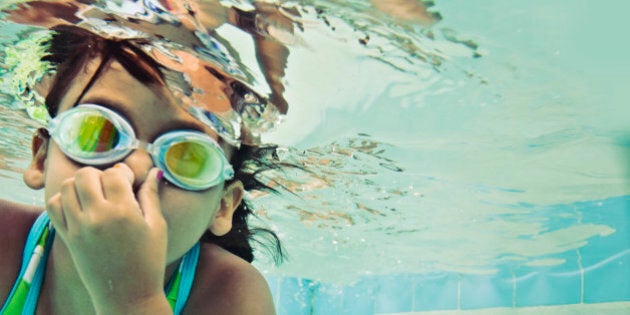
(140, 163)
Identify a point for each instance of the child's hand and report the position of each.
(117, 242)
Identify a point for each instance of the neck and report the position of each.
(63, 291)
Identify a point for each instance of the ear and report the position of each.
(34, 174)
(232, 197)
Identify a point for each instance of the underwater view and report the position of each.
(432, 156)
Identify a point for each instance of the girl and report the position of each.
(132, 183)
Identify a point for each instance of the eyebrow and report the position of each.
(111, 104)
(121, 109)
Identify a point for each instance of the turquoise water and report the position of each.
(515, 171)
(484, 167)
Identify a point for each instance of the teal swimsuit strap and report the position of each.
(20, 300)
(178, 289)
(25, 292)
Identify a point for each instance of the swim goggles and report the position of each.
(95, 135)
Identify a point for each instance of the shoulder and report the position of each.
(227, 284)
(15, 222)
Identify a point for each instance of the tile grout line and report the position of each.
(579, 262)
(312, 290)
(579, 259)
(459, 291)
(413, 294)
(513, 289)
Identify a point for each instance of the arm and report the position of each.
(271, 30)
(412, 11)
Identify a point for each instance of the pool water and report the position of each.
(480, 164)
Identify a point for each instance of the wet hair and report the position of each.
(71, 48)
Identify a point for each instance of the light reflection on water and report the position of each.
(15, 150)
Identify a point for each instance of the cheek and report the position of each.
(57, 169)
(188, 214)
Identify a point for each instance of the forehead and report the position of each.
(150, 108)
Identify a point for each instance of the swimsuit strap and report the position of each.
(23, 296)
(178, 289)
(25, 292)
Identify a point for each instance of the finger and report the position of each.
(70, 203)
(88, 188)
(125, 171)
(149, 198)
(117, 183)
(53, 207)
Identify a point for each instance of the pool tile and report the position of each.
(292, 296)
(550, 285)
(485, 291)
(601, 248)
(436, 291)
(545, 287)
(274, 286)
(327, 299)
(358, 298)
(394, 294)
(608, 280)
(606, 259)
(353, 299)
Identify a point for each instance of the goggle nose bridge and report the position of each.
(136, 144)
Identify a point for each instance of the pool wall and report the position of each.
(596, 273)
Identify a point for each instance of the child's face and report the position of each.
(151, 111)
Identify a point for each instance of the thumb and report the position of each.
(148, 196)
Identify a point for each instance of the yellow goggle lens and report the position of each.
(187, 159)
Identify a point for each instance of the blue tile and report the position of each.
(615, 213)
(358, 298)
(292, 296)
(394, 294)
(274, 286)
(352, 299)
(550, 285)
(611, 211)
(608, 280)
(606, 259)
(436, 291)
(327, 299)
(485, 291)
